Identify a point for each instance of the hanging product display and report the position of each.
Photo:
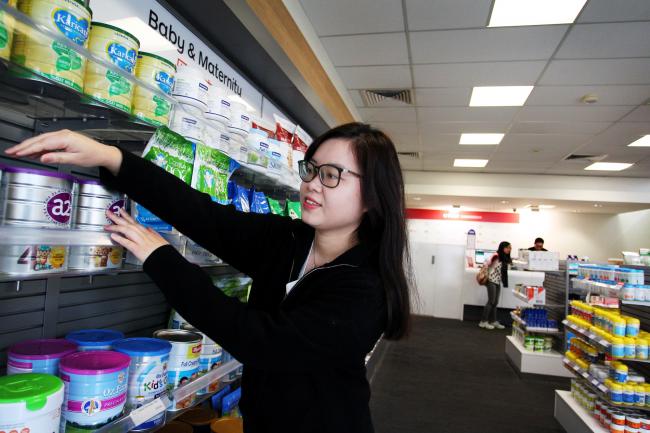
(51, 59)
(120, 48)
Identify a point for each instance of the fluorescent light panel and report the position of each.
(472, 163)
(500, 96)
(507, 13)
(608, 166)
(481, 139)
(641, 142)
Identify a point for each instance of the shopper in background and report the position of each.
(539, 245)
(324, 288)
(497, 275)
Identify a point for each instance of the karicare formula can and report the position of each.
(158, 72)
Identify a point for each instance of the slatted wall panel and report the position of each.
(643, 314)
(555, 285)
(21, 314)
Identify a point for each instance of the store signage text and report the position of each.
(487, 217)
(167, 31)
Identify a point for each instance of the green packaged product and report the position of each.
(236, 287)
(276, 207)
(211, 173)
(171, 152)
(293, 209)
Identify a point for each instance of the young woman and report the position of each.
(325, 288)
(497, 274)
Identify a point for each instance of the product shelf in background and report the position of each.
(525, 328)
(611, 290)
(160, 405)
(636, 303)
(536, 299)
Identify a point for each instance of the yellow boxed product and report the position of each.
(158, 72)
(120, 48)
(48, 58)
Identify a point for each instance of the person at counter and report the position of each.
(539, 245)
(497, 275)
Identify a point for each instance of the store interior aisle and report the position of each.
(451, 376)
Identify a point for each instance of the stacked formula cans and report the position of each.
(34, 198)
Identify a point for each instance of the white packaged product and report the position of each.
(218, 105)
(217, 137)
(277, 159)
(191, 88)
(238, 148)
(258, 148)
(240, 120)
(188, 121)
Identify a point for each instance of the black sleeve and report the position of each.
(333, 328)
(243, 240)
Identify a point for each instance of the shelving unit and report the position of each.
(527, 362)
(573, 417)
(522, 324)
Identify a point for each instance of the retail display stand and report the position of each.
(573, 417)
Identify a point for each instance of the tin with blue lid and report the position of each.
(94, 339)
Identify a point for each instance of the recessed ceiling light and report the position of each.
(504, 201)
(417, 198)
(474, 163)
(534, 12)
(499, 96)
(608, 166)
(598, 205)
(641, 142)
(480, 138)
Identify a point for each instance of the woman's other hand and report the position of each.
(141, 241)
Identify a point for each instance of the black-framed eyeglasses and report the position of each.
(328, 174)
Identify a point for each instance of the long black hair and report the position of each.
(503, 257)
(383, 226)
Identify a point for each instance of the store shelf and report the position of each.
(597, 287)
(524, 298)
(572, 366)
(637, 303)
(573, 417)
(160, 406)
(546, 363)
(593, 338)
(525, 328)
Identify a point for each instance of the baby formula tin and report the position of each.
(158, 72)
(190, 87)
(40, 199)
(121, 48)
(95, 387)
(240, 120)
(147, 373)
(38, 356)
(94, 339)
(30, 403)
(6, 30)
(51, 59)
(218, 105)
(184, 359)
(91, 203)
(188, 122)
(211, 358)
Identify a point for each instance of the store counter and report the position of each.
(473, 294)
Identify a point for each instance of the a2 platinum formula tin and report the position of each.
(33, 198)
(91, 203)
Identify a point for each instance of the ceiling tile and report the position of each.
(406, 143)
(342, 17)
(517, 166)
(439, 141)
(376, 77)
(559, 127)
(443, 97)
(607, 40)
(460, 127)
(604, 71)
(356, 98)
(466, 114)
(362, 50)
(478, 74)
(641, 114)
(447, 14)
(402, 114)
(571, 95)
(618, 136)
(486, 45)
(410, 164)
(396, 128)
(608, 10)
(592, 113)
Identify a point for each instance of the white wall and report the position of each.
(598, 236)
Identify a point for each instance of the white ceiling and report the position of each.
(442, 48)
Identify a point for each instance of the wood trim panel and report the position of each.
(280, 24)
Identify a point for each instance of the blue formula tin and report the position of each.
(147, 373)
(94, 339)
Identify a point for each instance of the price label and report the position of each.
(148, 411)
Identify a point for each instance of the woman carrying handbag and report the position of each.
(497, 274)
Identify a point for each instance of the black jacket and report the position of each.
(303, 353)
